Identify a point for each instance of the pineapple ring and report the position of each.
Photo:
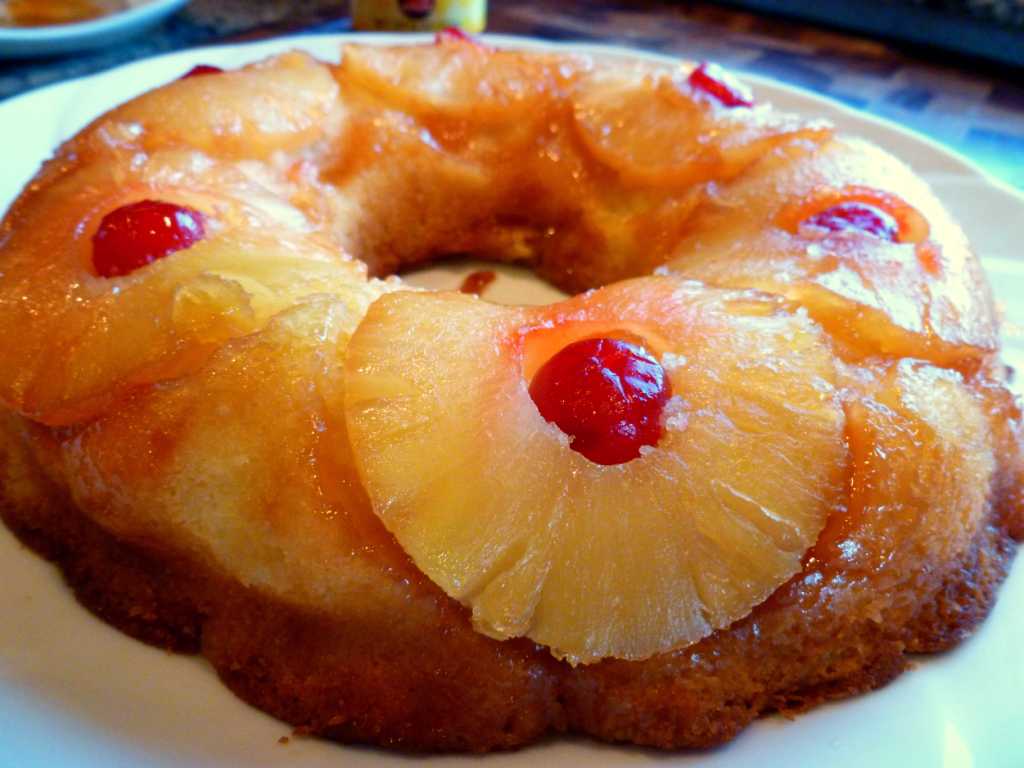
(652, 132)
(452, 82)
(76, 344)
(596, 561)
(908, 298)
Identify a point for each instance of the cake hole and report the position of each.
(512, 284)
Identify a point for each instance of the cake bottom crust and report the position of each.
(450, 689)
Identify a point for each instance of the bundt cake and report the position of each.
(763, 452)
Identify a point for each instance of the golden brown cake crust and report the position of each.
(348, 678)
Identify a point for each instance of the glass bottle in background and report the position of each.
(419, 15)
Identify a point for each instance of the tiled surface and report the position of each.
(976, 112)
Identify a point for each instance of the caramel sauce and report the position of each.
(43, 13)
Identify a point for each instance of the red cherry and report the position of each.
(715, 81)
(202, 69)
(456, 35)
(606, 394)
(138, 234)
(855, 216)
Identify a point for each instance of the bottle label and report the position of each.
(419, 15)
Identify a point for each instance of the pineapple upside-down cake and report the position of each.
(763, 453)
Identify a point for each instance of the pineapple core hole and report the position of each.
(611, 407)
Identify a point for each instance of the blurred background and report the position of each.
(952, 70)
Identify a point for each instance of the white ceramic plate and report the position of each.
(75, 693)
(59, 39)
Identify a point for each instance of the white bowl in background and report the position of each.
(27, 42)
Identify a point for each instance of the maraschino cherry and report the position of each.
(857, 217)
(138, 234)
(456, 35)
(202, 69)
(606, 394)
(715, 81)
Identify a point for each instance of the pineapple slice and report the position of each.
(915, 432)
(590, 560)
(457, 79)
(907, 296)
(279, 105)
(99, 337)
(138, 330)
(651, 130)
(248, 483)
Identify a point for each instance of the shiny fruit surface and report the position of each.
(138, 234)
(492, 503)
(607, 395)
